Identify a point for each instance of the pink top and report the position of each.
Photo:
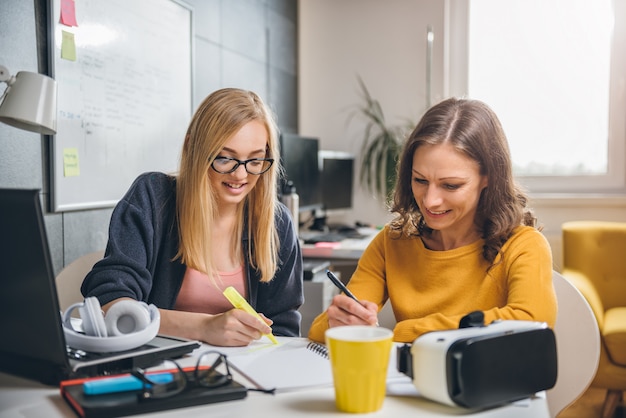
(199, 294)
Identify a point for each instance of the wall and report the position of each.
(385, 43)
(249, 44)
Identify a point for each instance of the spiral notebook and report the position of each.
(319, 349)
(293, 364)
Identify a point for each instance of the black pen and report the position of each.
(342, 287)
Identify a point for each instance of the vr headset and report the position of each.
(478, 366)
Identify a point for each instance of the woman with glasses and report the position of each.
(178, 241)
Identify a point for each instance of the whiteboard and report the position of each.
(124, 101)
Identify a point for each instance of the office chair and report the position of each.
(577, 345)
(69, 280)
(386, 317)
(594, 260)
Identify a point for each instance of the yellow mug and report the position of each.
(359, 357)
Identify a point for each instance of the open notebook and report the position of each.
(292, 364)
(33, 344)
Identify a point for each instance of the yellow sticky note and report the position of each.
(70, 162)
(68, 46)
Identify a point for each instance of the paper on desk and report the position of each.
(290, 365)
(286, 366)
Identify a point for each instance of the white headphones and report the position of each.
(127, 325)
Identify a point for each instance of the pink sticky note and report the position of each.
(68, 13)
(327, 244)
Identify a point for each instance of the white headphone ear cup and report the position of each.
(126, 317)
(92, 317)
(112, 343)
(67, 315)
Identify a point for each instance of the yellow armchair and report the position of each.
(594, 260)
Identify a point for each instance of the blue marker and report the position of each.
(122, 384)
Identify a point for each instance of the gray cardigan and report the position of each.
(143, 240)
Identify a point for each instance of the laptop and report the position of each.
(33, 343)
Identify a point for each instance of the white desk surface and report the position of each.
(25, 398)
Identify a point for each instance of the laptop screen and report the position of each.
(29, 308)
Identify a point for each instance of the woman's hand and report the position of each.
(346, 311)
(234, 328)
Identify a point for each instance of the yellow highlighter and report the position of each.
(239, 302)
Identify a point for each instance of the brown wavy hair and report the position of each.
(216, 120)
(473, 129)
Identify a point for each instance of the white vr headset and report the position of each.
(480, 366)
(128, 324)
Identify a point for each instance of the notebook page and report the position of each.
(289, 365)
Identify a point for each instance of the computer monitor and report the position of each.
(299, 160)
(337, 172)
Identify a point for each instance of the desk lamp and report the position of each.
(29, 101)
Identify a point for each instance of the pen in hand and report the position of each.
(342, 287)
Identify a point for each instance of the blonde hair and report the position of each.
(216, 120)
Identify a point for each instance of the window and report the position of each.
(552, 71)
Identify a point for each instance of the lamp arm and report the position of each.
(5, 75)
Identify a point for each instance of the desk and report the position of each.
(24, 398)
(343, 255)
(348, 249)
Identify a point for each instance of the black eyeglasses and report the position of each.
(256, 166)
(205, 374)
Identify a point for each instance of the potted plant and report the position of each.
(381, 146)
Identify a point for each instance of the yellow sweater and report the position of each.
(433, 290)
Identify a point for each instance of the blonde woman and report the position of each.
(178, 241)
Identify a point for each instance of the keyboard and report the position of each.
(314, 238)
